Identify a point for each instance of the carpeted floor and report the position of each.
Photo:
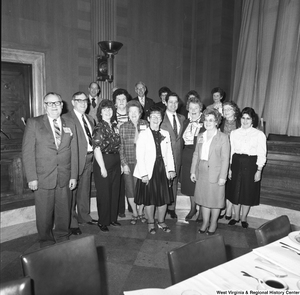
(130, 257)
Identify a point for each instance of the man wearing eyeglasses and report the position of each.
(146, 102)
(81, 195)
(50, 159)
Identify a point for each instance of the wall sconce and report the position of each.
(106, 63)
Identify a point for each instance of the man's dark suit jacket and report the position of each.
(148, 104)
(42, 160)
(82, 143)
(177, 142)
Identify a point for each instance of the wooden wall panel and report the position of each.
(61, 30)
(180, 44)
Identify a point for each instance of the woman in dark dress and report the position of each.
(107, 165)
(248, 156)
(154, 170)
(191, 128)
(230, 122)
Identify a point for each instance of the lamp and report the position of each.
(106, 64)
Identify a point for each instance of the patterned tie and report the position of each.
(93, 102)
(57, 133)
(175, 126)
(87, 130)
(143, 101)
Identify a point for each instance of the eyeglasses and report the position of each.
(155, 116)
(81, 101)
(228, 110)
(209, 121)
(53, 103)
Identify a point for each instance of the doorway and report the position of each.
(16, 107)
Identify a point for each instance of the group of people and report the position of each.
(141, 149)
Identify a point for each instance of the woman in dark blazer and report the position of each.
(209, 170)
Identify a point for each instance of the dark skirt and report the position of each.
(157, 192)
(187, 186)
(242, 189)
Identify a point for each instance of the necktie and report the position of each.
(57, 133)
(175, 126)
(93, 102)
(143, 101)
(87, 130)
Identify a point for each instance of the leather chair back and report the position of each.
(70, 267)
(273, 230)
(21, 286)
(195, 257)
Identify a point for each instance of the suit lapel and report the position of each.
(48, 127)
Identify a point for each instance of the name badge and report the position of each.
(68, 130)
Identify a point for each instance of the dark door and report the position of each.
(16, 101)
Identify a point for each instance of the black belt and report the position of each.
(88, 153)
(110, 153)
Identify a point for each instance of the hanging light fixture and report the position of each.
(106, 63)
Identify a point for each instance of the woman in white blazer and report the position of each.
(154, 169)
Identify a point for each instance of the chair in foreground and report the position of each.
(273, 230)
(70, 267)
(21, 286)
(195, 257)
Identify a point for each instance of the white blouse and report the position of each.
(251, 142)
(206, 145)
(191, 131)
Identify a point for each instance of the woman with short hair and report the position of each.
(248, 157)
(107, 166)
(209, 170)
(129, 133)
(154, 169)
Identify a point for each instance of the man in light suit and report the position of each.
(94, 100)
(50, 159)
(81, 195)
(173, 123)
(146, 102)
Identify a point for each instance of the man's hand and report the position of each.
(33, 185)
(193, 177)
(72, 184)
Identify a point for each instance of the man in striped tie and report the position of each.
(50, 159)
(81, 195)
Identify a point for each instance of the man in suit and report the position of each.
(173, 123)
(50, 159)
(146, 102)
(81, 195)
(94, 100)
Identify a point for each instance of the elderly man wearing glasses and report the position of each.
(81, 195)
(50, 159)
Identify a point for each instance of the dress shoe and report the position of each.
(163, 226)
(210, 233)
(116, 223)
(233, 222)
(228, 217)
(93, 222)
(103, 228)
(122, 215)
(202, 231)
(75, 231)
(190, 215)
(221, 216)
(245, 224)
(172, 213)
